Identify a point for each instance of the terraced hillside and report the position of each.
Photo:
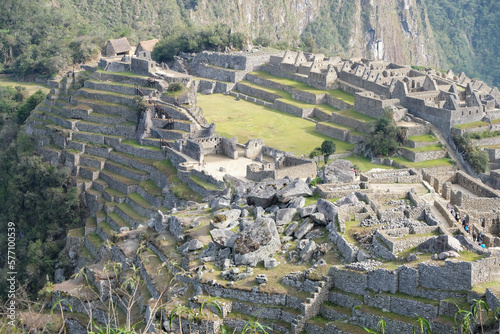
(88, 124)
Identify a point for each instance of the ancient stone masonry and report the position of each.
(300, 256)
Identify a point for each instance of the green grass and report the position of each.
(423, 138)
(351, 130)
(337, 93)
(77, 232)
(495, 121)
(481, 288)
(427, 148)
(247, 120)
(120, 178)
(133, 142)
(266, 89)
(314, 198)
(125, 74)
(140, 200)
(31, 87)
(417, 299)
(150, 187)
(364, 164)
(166, 167)
(182, 191)
(95, 240)
(356, 115)
(118, 220)
(115, 193)
(204, 184)
(471, 125)
(424, 164)
(495, 147)
(131, 212)
(387, 315)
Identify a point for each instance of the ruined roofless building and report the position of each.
(117, 47)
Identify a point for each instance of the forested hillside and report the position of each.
(40, 37)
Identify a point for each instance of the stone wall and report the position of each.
(453, 276)
(294, 167)
(348, 251)
(372, 105)
(258, 93)
(475, 186)
(422, 156)
(406, 175)
(462, 132)
(486, 141)
(358, 125)
(291, 109)
(331, 131)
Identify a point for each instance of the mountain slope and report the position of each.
(461, 34)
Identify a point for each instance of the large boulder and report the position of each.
(443, 243)
(256, 242)
(349, 199)
(328, 209)
(285, 216)
(338, 171)
(223, 238)
(308, 210)
(224, 219)
(303, 229)
(294, 189)
(264, 193)
(297, 203)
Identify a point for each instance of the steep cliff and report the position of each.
(395, 30)
(457, 34)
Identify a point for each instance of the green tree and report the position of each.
(328, 148)
(383, 140)
(27, 107)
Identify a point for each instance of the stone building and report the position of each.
(117, 47)
(145, 47)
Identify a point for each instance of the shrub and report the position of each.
(175, 87)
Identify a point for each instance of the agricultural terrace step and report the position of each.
(140, 205)
(100, 185)
(107, 96)
(99, 150)
(93, 242)
(113, 195)
(105, 231)
(89, 137)
(148, 152)
(172, 134)
(121, 77)
(126, 171)
(98, 118)
(89, 172)
(108, 108)
(92, 160)
(114, 87)
(56, 119)
(340, 132)
(124, 130)
(119, 182)
(116, 222)
(76, 145)
(130, 215)
(334, 312)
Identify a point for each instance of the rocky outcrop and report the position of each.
(258, 241)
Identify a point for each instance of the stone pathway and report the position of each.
(450, 150)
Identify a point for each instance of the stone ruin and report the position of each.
(271, 245)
